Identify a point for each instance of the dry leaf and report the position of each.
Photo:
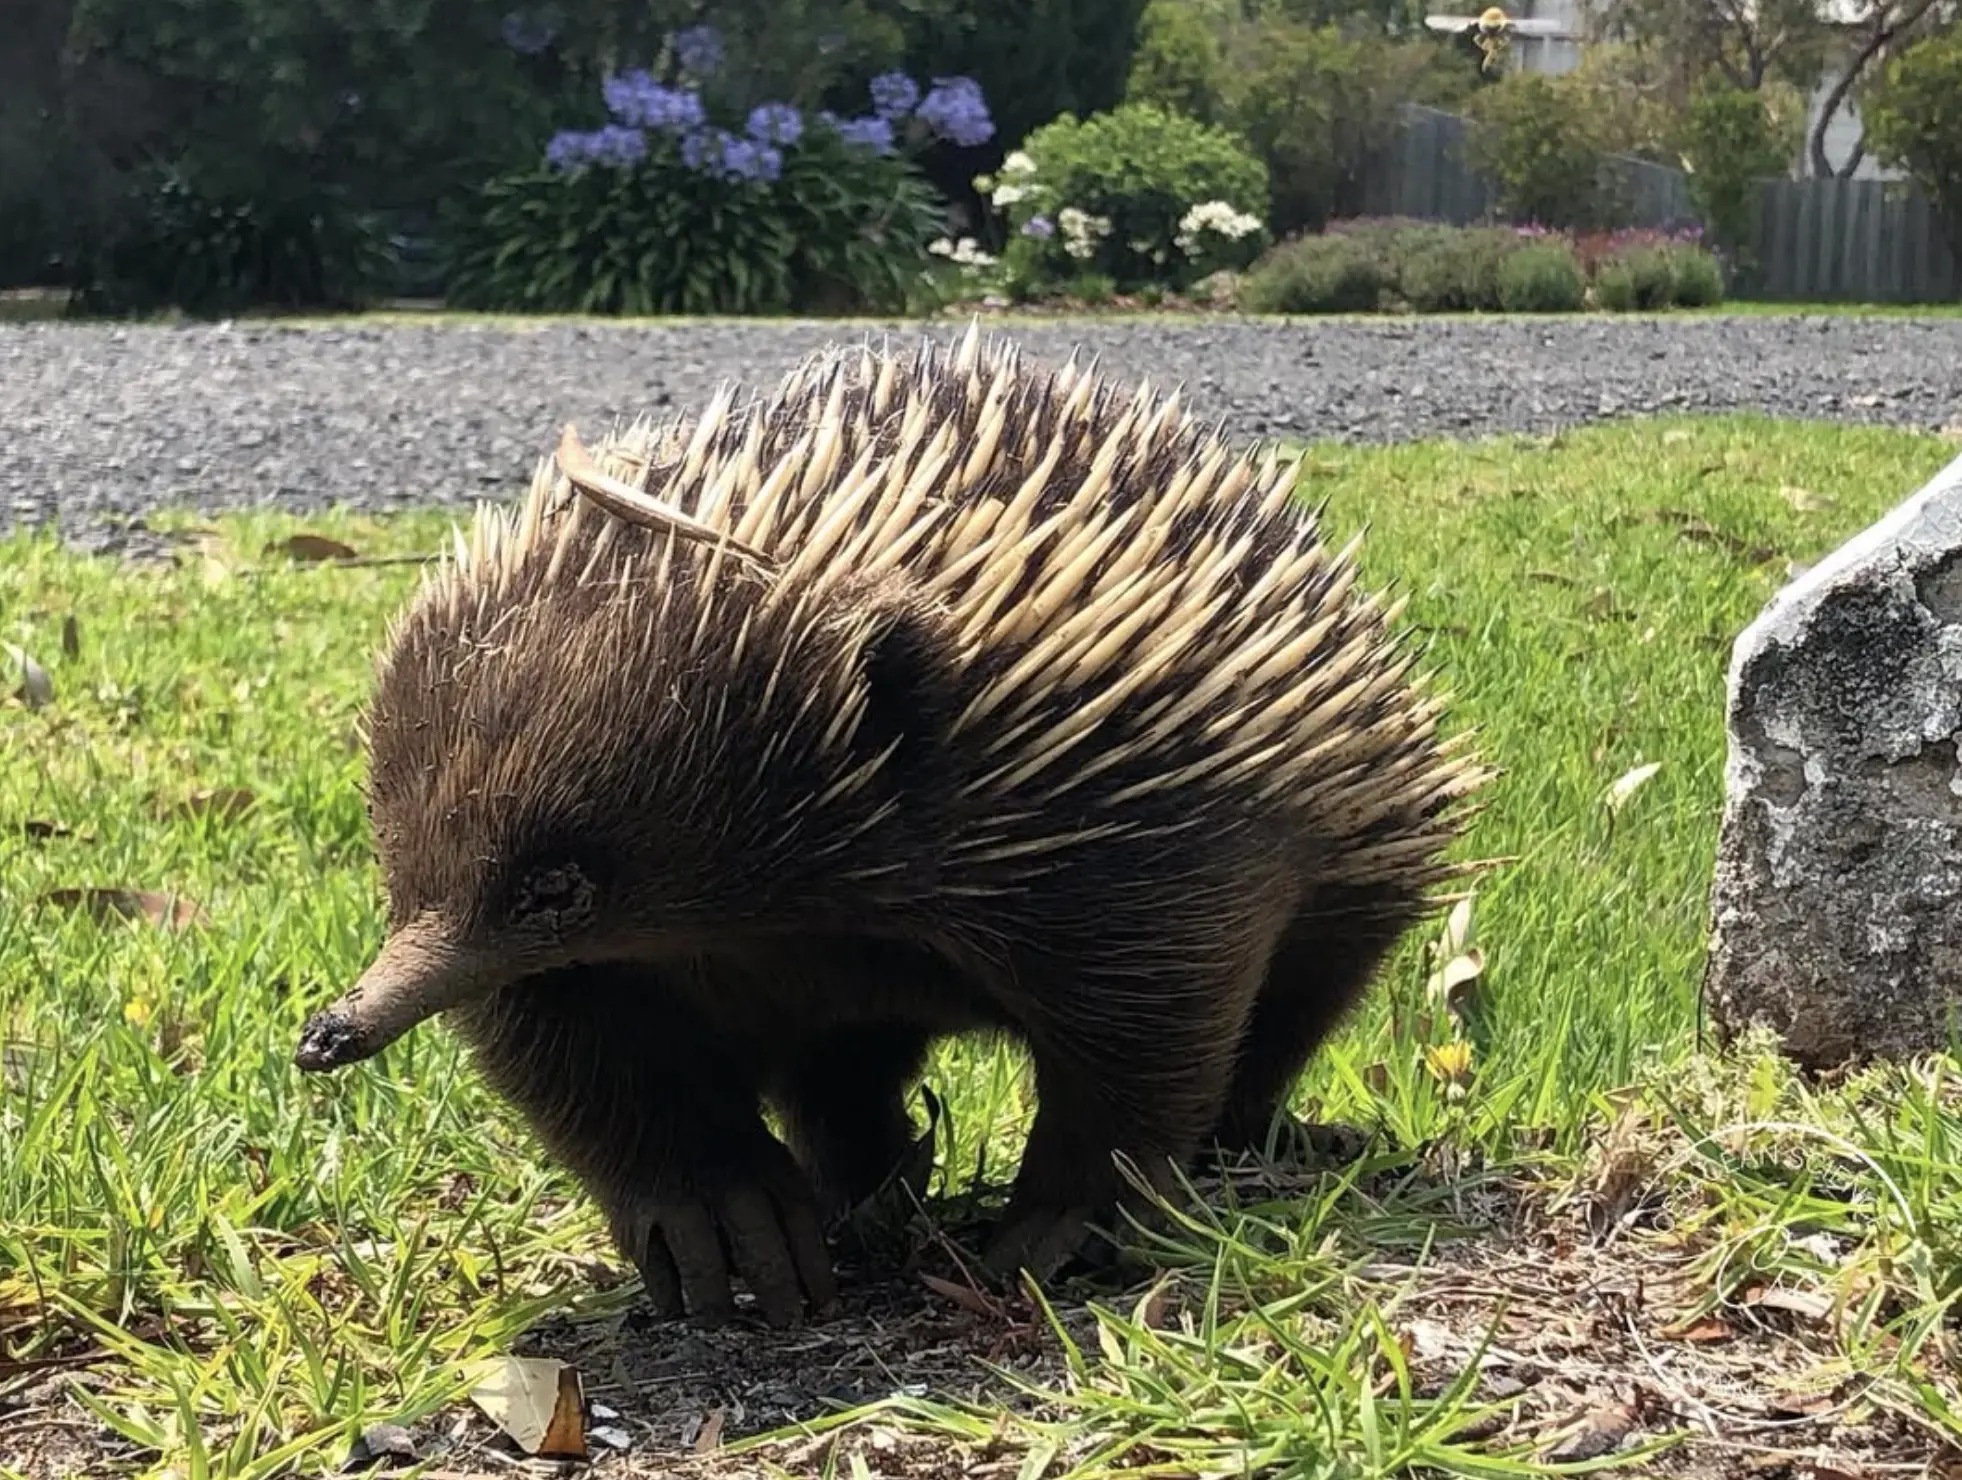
(711, 1435)
(130, 904)
(225, 803)
(1703, 1330)
(1449, 983)
(1808, 1304)
(71, 637)
(1428, 1341)
(1803, 499)
(37, 688)
(539, 1402)
(1603, 604)
(383, 1441)
(961, 1295)
(311, 547)
(1600, 1432)
(1626, 785)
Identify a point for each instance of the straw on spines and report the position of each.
(1148, 633)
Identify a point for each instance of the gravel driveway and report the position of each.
(99, 423)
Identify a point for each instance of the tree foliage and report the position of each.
(1914, 121)
(1733, 137)
(1542, 143)
(401, 106)
(1317, 100)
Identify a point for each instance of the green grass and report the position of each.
(255, 1265)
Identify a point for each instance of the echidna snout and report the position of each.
(418, 973)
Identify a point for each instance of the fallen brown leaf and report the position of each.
(309, 547)
(1703, 1330)
(961, 1295)
(710, 1436)
(226, 803)
(539, 1402)
(37, 688)
(130, 904)
(1599, 1433)
(1808, 1304)
(1628, 783)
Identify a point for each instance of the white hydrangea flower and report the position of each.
(967, 252)
(1081, 231)
(1217, 217)
(941, 247)
(1018, 163)
(1007, 195)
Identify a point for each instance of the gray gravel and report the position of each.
(99, 424)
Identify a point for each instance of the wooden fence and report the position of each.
(1874, 241)
(1429, 176)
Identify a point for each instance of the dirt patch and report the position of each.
(1585, 1317)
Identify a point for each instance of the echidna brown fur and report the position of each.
(934, 693)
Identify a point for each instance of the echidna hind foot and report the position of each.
(928, 694)
(843, 1102)
(1323, 963)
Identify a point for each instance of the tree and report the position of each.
(1756, 44)
(1883, 28)
(1913, 117)
(1747, 41)
(1732, 137)
(1540, 140)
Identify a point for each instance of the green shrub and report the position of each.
(1913, 120)
(1318, 102)
(1454, 270)
(1178, 64)
(1139, 194)
(663, 212)
(1699, 277)
(177, 244)
(1315, 274)
(1732, 139)
(1614, 287)
(1539, 139)
(1641, 279)
(1652, 272)
(1541, 277)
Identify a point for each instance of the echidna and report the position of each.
(928, 695)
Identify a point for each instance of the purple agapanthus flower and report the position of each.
(775, 123)
(894, 95)
(616, 145)
(747, 159)
(956, 111)
(636, 99)
(1040, 227)
(700, 51)
(870, 132)
(703, 146)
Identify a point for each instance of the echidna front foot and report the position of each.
(757, 1218)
